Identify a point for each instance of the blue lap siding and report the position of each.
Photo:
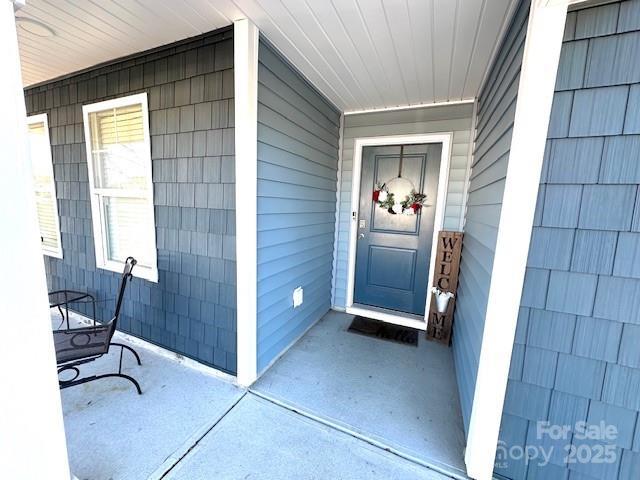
(298, 133)
(579, 324)
(192, 308)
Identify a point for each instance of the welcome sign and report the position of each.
(445, 279)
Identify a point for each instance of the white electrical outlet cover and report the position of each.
(297, 297)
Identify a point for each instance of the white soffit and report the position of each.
(362, 54)
(90, 32)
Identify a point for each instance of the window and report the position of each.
(120, 185)
(44, 185)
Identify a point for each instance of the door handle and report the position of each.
(361, 235)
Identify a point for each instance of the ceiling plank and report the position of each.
(298, 37)
(421, 19)
(361, 54)
(324, 29)
(379, 32)
(465, 44)
(444, 14)
(494, 20)
(397, 16)
(292, 51)
(67, 26)
(359, 34)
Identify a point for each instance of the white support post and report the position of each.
(32, 439)
(245, 67)
(535, 96)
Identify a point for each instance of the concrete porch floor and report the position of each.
(400, 397)
(114, 433)
(190, 424)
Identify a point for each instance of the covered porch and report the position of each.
(401, 398)
(253, 142)
(192, 422)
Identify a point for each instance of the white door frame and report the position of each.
(445, 138)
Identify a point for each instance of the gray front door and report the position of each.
(393, 251)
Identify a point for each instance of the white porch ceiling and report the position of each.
(362, 54)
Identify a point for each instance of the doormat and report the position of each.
(384, 331)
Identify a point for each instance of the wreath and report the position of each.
(411, 205)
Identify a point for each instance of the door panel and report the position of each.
(384, 259)
(393, 251)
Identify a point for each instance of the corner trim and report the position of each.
(245, 64)
(336, 232)
(533, 110)
(467, 175)
(508, 19)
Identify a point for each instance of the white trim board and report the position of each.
(336, 232)
(389, 316)
(533, 110)
(245, 71)
(506, 23)
(43, 118)
(161, 351)
(410, 107)
(32, 442)
(100, 232)
(467, 176)
(445, 138)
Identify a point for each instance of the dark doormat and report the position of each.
(384, 331)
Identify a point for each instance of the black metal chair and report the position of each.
(77, 346)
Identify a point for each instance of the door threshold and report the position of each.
(389, 316)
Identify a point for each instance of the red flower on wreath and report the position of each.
(416, 207)
(376, 195)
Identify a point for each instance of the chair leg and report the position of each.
(122, 375)
(97, 377)
(128, 348)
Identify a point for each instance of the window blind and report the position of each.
(128, 227)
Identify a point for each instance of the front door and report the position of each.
(393, 249)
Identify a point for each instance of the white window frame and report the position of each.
(42, 118)
(99, 227)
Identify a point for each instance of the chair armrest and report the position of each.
(88, 329)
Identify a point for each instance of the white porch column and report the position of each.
(245, 70)
(535, 96)
(32, 440)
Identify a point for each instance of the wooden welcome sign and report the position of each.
(445, 278)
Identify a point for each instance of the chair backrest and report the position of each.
(129, 263)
